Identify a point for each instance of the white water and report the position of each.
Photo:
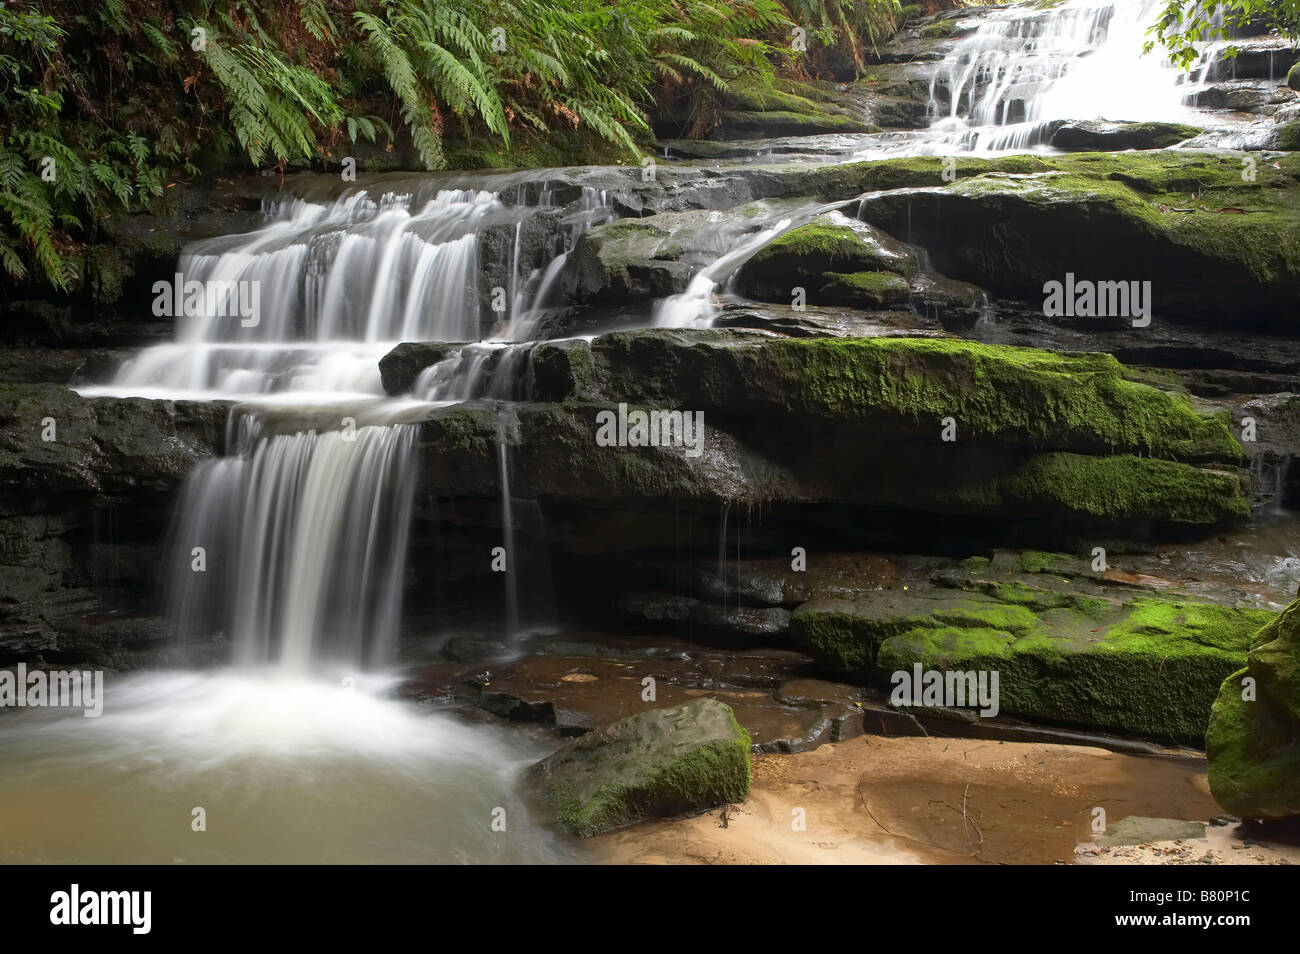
(286, 769)
(292, 549)
(1003, 85)
(1024, 68)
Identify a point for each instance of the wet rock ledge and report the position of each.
(926, 425)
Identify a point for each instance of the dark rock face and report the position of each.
(658, 764)
(108, 304)
(1097, 136)
(841, 398)
(83, 516)
(400, 367)
(1268, 59)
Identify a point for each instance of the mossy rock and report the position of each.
(766, 124)
(1293, 77)
(1288, 136)
(940, 29)
(1039, 437)
(831, 243)
(1147, 667)
(909, 12)
(1114, 490)
(869, 290)
(661, 763)
(1099, 136)
(1206, 239)
(1015, 397)
(1253, 740)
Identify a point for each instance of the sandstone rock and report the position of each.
(657, 764)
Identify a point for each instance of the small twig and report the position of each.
(867, 809)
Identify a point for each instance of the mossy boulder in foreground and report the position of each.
(1253, 740)
(1067, 648)
(656, 764)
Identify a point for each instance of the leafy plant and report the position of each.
(121, 97)
(1184, 27)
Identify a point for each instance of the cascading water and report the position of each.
(1019, 71)
(292, 548)
(693, 308)
(1001, 87)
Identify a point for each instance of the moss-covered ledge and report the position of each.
(1066, 651)
(1020, 397)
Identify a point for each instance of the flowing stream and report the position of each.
(294, 750)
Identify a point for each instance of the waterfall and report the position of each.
(293, 545)
(693, 308)
(304, 539)
(1024, 68)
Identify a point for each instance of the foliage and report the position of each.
(124, 96)
(1186, 26)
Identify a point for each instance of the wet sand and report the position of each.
(876, 800)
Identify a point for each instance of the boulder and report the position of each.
(1287, 136)
(1253, 740)
(836, 260)
(400, 367)
(1207, 241)
(657, 764)
(1067, 647)
(98, 445)
(1103, 136)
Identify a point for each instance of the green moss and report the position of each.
(658, 763)
(1145, 187)
(864, 289)
(1288, 136)
(779, 122)
(908, 12)
(1137, 193)
(1037, 561)
(838, 634)
(1148, 667)
(939, 29)
(1253, 744)
(1118, 490)
(721, 767)
(1254, 754)
(829, 247)
(767, 98)
(1168, 628)
(1018, 395)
